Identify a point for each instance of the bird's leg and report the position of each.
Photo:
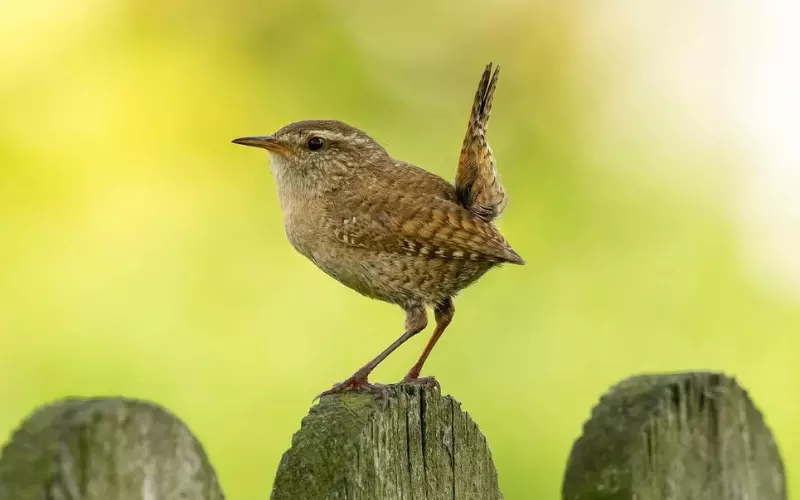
(443, 311)
(416, 321)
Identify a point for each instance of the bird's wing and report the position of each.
(415, 223)
(477, 182)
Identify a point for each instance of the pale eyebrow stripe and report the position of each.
(335, 136)
(328, 134)
(332, 136)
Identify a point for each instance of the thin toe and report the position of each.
(424, 381)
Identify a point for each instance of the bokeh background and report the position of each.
(649, 148)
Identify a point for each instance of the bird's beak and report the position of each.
(267, 142)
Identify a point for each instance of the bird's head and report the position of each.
(312, 156)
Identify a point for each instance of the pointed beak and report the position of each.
(267, 142)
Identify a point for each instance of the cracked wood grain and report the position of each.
(100, 449)
(675, 437)
(420, 446)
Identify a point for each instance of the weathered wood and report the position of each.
(681, 436)
(101, 449)
(418, 446)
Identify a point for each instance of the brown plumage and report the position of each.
(388, 229)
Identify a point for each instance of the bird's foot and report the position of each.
(357, 383)
(429, 382)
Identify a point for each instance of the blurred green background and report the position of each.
(642, 145)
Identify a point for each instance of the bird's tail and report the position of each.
(477, 181)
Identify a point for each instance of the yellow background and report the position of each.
(143, 254)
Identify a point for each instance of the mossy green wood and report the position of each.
(417, 445)
(101, 449)
(675, 437)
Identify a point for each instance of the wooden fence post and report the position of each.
(104, 449)
(652, 437)
(673, 437)
(418, 445)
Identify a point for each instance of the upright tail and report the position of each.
(477, 182)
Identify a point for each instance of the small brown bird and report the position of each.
(387, 229)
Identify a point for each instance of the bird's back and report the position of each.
(402, 176)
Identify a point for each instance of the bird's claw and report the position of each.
(358, 384)
(429, 382)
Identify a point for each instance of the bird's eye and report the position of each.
(315, 143)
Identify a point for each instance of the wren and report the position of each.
(388, 229)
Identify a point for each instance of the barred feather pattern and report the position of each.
(478, 185)
(415, 223)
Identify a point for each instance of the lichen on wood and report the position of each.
(101, 449)
(675, 437)
(417, 445)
